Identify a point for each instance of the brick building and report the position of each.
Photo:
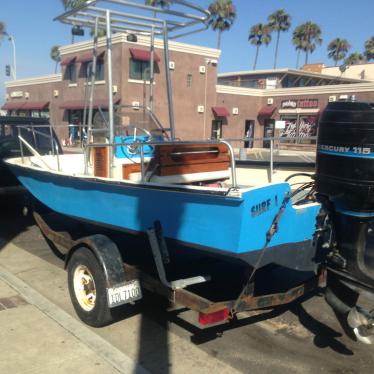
(62, 96)
(206, 104)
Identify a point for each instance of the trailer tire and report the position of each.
(87, 288)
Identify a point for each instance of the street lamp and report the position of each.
(11, 39)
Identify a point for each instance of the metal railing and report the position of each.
(32, 129)
(274, 145)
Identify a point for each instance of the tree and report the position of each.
(337, 49)
(369, 49)
(70, 4)
(354, 58)
(55, 55)
(2, 30)
(306, 37)
(298, 42)
(223, 15)
(279, 21)
(259, 34)
(158, 3)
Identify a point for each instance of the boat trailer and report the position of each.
(117, 272)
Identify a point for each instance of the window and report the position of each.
(216, 129)
(299, 127)
(86, 70)
(71, 73)
(307, 128)
(44, 113)
(189, 80)
(290, 131)
(139, 70)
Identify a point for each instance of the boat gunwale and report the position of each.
(203, 190)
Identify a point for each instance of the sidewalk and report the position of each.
(41, 334)
(32, 341)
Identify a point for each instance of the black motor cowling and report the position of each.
(344, 182)
(345, 155)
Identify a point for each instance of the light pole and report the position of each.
(14, 68)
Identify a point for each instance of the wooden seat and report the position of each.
(175, 159)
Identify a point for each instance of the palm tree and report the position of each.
(55, 55)
(223, 15)
(306, 37)
(298, 42)
(369, 49)
(158, 3)
(279, 21)
(337, 49)
(2, 30)
(354, 58)
(70, 4)
(259, 34)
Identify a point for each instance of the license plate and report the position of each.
(124, 293)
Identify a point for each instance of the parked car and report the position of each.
(36, 131)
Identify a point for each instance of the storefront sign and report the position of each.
(289, 104)
(307, 103)
(16, 94)
(301, 103)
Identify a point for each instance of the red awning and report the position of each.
(220, 111)
(88, 56)
(266, 111)
(79, 104)
(68, 60)
(143, 55)
(36, 105)
(13, 105)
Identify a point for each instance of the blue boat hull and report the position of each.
(227, 225)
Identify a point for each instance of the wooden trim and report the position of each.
(127, 169)
(101, 161)
(189, 169)
(191, 158)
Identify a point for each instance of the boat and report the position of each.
(133, 175)
(185, 187)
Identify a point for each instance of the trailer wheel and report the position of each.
(87, 288)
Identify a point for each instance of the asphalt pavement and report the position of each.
(40, 333)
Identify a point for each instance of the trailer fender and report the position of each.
(108, 255)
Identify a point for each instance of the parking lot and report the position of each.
(304, 337)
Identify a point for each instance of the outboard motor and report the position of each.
(345, 186)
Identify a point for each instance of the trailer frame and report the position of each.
(222, 311)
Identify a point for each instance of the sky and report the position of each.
(31, 23)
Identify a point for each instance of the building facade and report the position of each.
(283, 103)
(248, 104)
(62, 97)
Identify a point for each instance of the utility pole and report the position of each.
(14, 67)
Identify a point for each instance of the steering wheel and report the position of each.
(132, 147)
(144, 131)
